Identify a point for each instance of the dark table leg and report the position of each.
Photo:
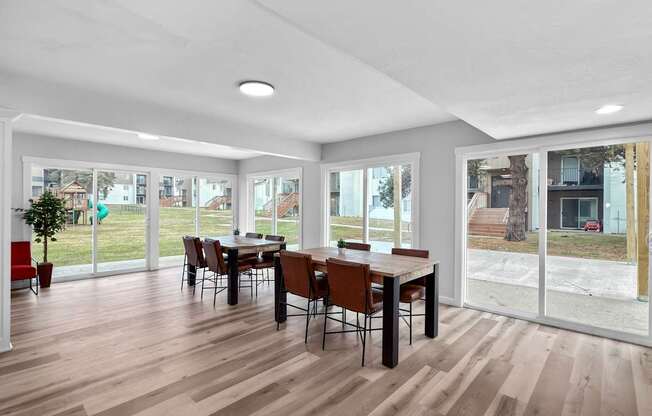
(234, 273)
(391, 288)
(280, 296)
(192, 274)
(432, 303)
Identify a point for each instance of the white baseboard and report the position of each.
(447, 300)
(5, 346)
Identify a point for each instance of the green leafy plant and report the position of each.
(341, 243)
(236, 231)
(47, 217)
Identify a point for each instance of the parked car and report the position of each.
(593, 225)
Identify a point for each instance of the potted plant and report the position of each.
(47, 217)
(236, 231)
(340, 246)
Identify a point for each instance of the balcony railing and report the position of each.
(574, 177)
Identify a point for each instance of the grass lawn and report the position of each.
(565, 244)
(350, 228)
(121, 235)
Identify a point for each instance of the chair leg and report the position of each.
(364, 338)
(202, 284)
(410, 323)
(323, 337)
(305, 341)
(215, 290)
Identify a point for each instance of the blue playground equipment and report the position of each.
(102, 211)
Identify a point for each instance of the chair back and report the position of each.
(194, 252)
(349, 285)
(274, 237)
(412, 252)
(298, 274)
(21, 253)
(357, 246)
(254, 235)
(214, 258)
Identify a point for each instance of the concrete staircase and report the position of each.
(490, 222)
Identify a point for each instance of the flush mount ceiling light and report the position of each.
(146, 136)
(609, 109)
(256, 88)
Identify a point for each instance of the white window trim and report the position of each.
(249, 219)
(151, 213)
(412, 159)
(590, 138)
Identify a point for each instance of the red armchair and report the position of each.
(21, 264)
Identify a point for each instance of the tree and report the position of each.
(516, 223)
(46, 216)
(386, 186)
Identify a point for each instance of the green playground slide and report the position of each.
(102, 210)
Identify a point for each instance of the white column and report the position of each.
(6, 183)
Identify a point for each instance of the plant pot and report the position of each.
(44, 274)
(340, 251)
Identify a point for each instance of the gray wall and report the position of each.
(436, 145)
(58, 148)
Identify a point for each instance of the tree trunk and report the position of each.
(516, 223)
(630, 211)
(643, 205)
(45, 250)
(398, 193)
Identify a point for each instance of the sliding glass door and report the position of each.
(275, 205)
(502, 257)
(372, 201)
(590, 269)
(121, 214)
(177, 211)
(215, 207)
(72, 253)
(597, 253)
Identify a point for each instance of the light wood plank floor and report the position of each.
(136, 344)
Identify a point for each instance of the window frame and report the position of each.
(249, 219)
(412, 159)
(153, 174)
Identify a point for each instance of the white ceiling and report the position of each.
(510, 68)
(80, 131)
(192, 55)
(342, 69)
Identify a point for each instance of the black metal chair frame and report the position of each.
(360, 330)
(213, 279)
(184, 272)
(307, 311)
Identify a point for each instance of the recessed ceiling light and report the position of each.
(609, 109)
(146, 136)
(256, 88)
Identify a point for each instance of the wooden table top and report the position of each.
(244, 243)
(381, 264)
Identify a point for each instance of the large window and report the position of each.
(275, 205)
(191, 205)
(113, 213)
(177, 211)
(106, 219)
(561, 235)
(372, 201)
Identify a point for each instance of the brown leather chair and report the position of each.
(254, 235)
(265, 262)
(215, 265)
(193, 257)
(300, 280)
(414, 290)
(357, 246)
(349, 287)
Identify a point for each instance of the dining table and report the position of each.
(236, 246)
(388, 270)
